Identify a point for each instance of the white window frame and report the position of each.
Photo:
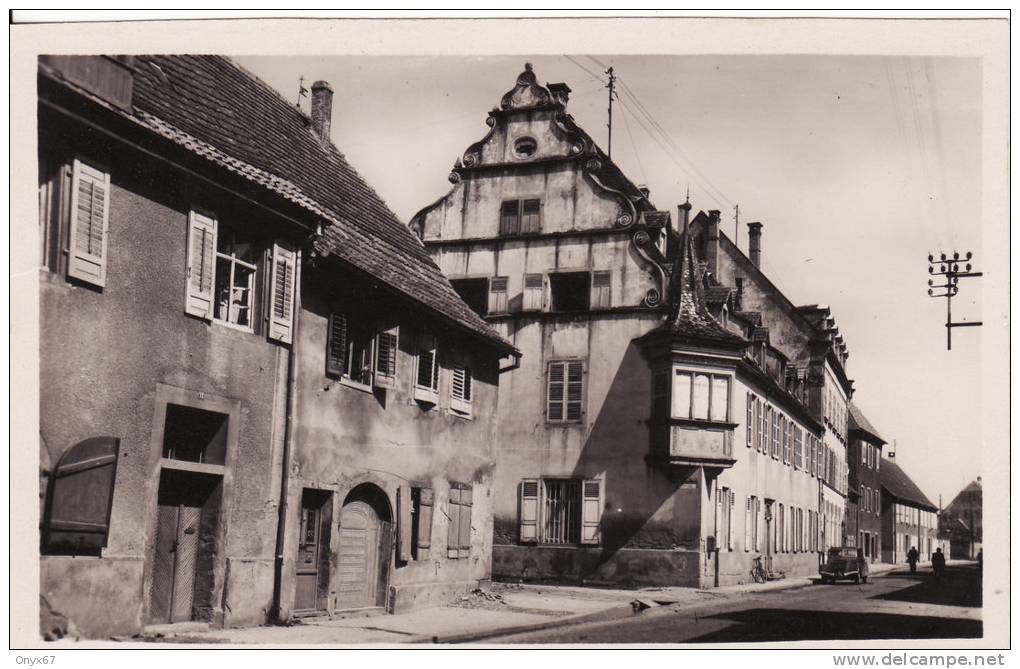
(253, 282)
(693, 373)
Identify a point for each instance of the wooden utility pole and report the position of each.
(612, 91)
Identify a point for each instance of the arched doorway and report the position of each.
(366, 544)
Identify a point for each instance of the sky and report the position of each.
(858, 167)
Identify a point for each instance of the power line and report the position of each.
(633, 145)
(590, 73)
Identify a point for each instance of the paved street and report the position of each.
(895, 605)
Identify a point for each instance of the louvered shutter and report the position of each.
(729, 520)
(464, 531)
(591, 512)
(281, 313)
(404, 523)
(757, 524)
(720, 493)
(386, 343)
(90, 222)
(460, 390)
(426, 501)
(600, 290)
(201, 269)
(426, 383)
(79, 497)
(529, 511)
(575, 390)
(747, 522)
(750, 418)
(336, 345)
(453, 529)
(556, 391)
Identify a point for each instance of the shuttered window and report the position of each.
(79, 496)
(565, 391)
(461, 389)
(458, 538)
(201, 267)
(90, 218)
(560, 511)
(281, 321)
(534, 292)
(498, 295)
(776, 442)
(600, 290)
(748, 519)
(798, 448)
(510, 218)
(531, 216)
(520, 217)
(750, 419)
(234, 284)
(528, 511)
(386, 343)
(591, 512)
(426, 383)
(336, 345)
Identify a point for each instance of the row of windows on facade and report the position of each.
(909, 515)
(794, 529)
(556, 291)
(871, 500)
(835, 412)
(871, 456)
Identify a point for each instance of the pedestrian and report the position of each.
(862, 565)
(938, 564)
(981, 558)
(912, 557)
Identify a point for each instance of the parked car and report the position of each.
(842, 564)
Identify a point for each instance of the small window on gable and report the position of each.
(474, 292)
(525, 147)
(570, 291)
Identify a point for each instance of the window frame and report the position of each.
(517, 227)
(712, 376)
(566, 362)
(255, 281)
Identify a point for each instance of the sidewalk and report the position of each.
(505, 608)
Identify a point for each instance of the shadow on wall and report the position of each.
(635, 492)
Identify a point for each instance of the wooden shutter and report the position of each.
(201, 269)
(719, 494)
(426, 501)
(336, 345)
(464, 532)
(729, 520)
(534, 292)
(575, 390)
(498, 295)
(600, 290)
(76, 519)
(281, 312)
(591, 512)
(747, 522)
(426, 382)
(90, 222)
(555, 391)
(405, 528)
(750, 418)
(531, 211)
(460, 390)
(510, 217)
(758, 524)
(386, 343)
(453, 529)
(529, 511)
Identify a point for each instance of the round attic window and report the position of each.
(525, 147)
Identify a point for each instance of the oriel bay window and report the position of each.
(700, 396)
(560, 511)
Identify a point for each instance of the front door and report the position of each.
(312, 565)
(357, 572)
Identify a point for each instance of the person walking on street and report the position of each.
(912, 557)
(938, 564)
(862, 565)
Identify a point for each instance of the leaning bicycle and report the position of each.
(758, 574)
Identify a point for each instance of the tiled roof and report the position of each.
(218, 110)
(657, 219)
(717, 294)
(896, 481)
(858, 421)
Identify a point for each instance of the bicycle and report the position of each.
(758, 574)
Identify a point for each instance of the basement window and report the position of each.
(570, 291)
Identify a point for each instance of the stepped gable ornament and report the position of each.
(527, 92)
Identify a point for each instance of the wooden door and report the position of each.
(311, 569)
(358, 569)
(175, 560)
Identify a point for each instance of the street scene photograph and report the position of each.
(532, 346)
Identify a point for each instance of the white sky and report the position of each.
(857, 166)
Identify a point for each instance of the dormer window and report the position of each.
(525, 147)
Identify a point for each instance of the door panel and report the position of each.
(187, 560)
(357, 571)
(161, 589)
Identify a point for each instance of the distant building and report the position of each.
(961, 519)
(864, 503)
(909, 519)
(224, 300)
(670, 400)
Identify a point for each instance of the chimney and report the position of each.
(560, 93)
(322, 110)
(645, 192)
(754, 243)
(712, 242)
(684, 215)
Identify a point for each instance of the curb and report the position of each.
(612, 613)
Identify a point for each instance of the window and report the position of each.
(386, 346)
(533, 292)
(600, 287)
(798, 448)
(560, 511)
(781, 531)
(752, 513)
(724, 500)
(349, 350)
(700, 396)
(426, 377)
(236, 259)
(460, 390)
(525, 147)
(195, 435)
(750, 419)
(474, 292)
(565, 391)
(497, 295)
(757, 424)
(764, 438)
(520, 217)
(569, 291)
(458, 538)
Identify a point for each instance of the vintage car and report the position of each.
(842, 563)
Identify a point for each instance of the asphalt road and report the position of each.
(897, 605)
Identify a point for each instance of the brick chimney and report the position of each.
(754, 242)
(322, 110)
(712, 242)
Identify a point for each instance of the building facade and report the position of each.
(864, 503)
(909, 519)
(961, 520)
(653, 418)
(190, 221)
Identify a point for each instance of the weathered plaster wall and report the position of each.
(102, 356)
(626, 567)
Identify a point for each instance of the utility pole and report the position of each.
(950, 268)
(302, 91)
(612, 91)
(736, 225)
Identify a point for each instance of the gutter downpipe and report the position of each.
(288, 438)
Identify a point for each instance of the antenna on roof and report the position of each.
(302, 91)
